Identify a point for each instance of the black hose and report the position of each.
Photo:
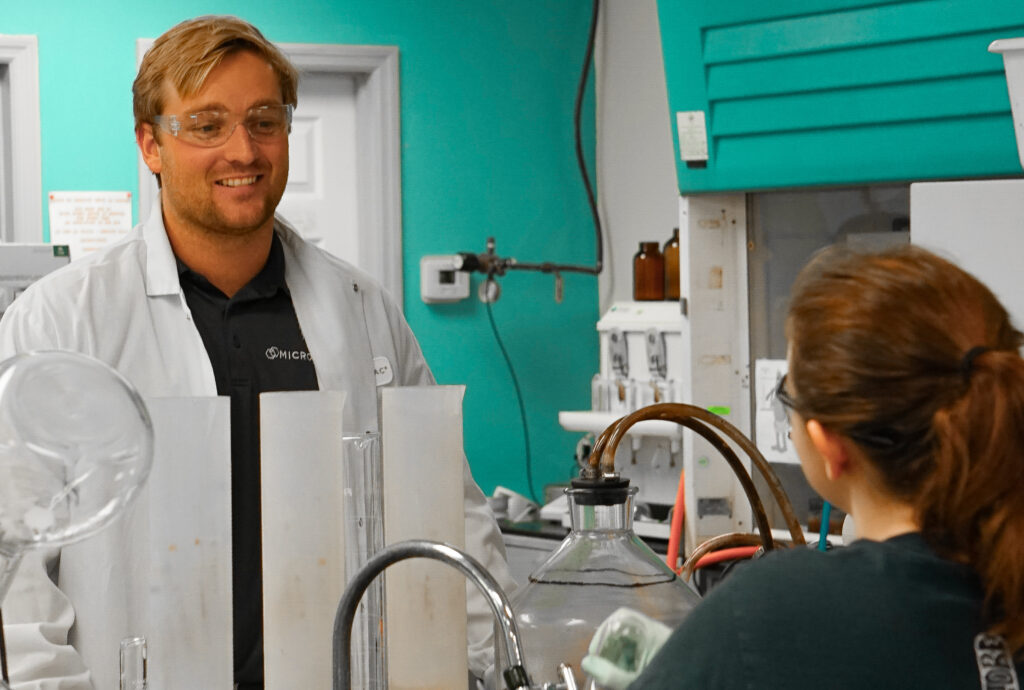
(473, 262)
(522, 406)
(580, 160)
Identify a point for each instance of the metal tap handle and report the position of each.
(568, 681)
(568, 677)
(467, 565)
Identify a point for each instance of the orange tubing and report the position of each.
(722, 541)
(675, 534)
(734, 553)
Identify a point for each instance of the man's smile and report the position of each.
(239, 181)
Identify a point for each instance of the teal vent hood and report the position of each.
(837, 92)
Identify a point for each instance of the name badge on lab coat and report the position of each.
(382, 371)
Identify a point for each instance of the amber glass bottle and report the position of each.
(648, 273)
(671, 253)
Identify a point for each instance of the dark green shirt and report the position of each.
(255, 346)
(873, 615)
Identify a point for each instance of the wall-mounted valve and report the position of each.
(492, 266)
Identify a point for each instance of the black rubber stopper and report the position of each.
(601, 492)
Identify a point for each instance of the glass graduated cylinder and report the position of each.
(364, 537)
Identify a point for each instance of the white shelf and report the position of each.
(596, 422)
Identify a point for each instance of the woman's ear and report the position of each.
(831, 445)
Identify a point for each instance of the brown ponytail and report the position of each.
(972, 504)
(880, 346)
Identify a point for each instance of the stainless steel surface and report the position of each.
(420, 549)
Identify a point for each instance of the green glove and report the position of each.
(622, 646)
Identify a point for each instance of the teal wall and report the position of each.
(827, 92)
(487, 91)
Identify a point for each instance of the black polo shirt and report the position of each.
(256, 346)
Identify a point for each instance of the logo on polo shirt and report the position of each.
(274, 352)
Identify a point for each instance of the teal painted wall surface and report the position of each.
(829, 92)
(487, 93)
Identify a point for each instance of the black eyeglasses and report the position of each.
(879, 438)
(783, 396)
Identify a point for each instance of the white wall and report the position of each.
(636, 175)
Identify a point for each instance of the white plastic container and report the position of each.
(1012, 50)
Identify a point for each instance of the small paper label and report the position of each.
(382, 371)
(693, 135)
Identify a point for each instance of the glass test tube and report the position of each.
(133, 664)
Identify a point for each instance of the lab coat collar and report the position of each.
(161, 268)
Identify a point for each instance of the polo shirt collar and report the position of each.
(163, 269)
(266, 283)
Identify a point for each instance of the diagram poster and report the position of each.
(771, 422)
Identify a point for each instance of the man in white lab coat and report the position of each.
(190, 303)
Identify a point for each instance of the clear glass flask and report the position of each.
(601, 566)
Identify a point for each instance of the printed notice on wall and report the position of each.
(771, 420)
(87, 221)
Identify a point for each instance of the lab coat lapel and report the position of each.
(329, 306)
(185, 363)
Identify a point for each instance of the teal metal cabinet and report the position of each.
(837, 92)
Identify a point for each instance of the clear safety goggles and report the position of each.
(209, 128)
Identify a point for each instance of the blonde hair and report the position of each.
(187, 53)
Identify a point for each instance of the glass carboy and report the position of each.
(601, 566)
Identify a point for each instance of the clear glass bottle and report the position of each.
(601, 566)
(648, 273)
(671, 253)
(598, 394)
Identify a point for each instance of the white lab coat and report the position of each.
(124, 306)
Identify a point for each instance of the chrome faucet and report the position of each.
(515, 677)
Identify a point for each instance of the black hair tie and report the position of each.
(967, 363)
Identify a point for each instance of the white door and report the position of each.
(21, 198)
(321, 199)
(344, 181)
(6, 195)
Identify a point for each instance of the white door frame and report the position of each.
(378, 158)
(20, 54)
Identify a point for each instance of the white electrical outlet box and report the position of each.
(441, 281)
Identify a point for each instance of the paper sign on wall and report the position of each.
(771, 421)
(87, 221)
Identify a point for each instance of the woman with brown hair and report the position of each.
(906, 396)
